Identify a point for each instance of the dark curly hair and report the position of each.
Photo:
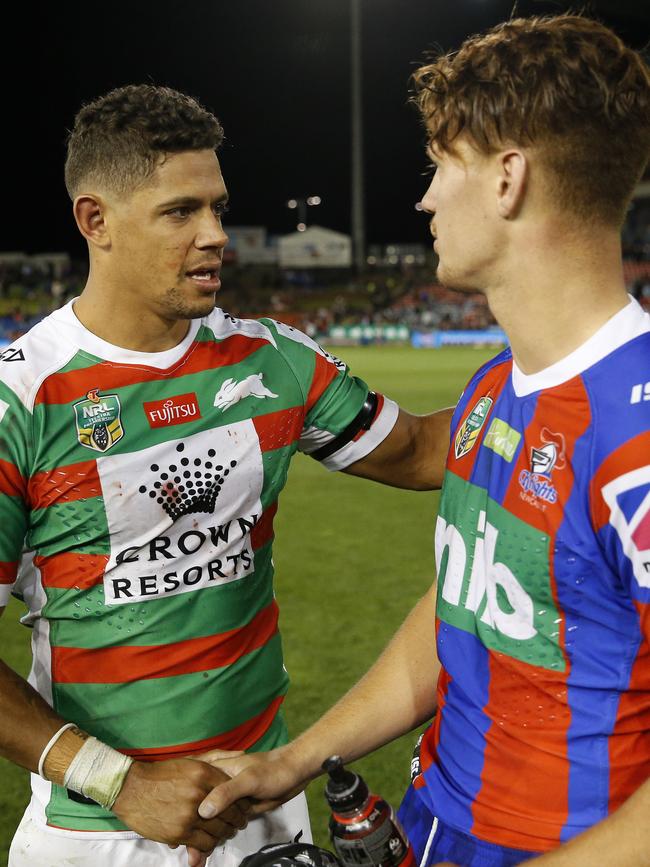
(565, 85)
(118, 139)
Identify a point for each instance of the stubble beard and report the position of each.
(178, 306)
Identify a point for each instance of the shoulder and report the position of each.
(28, 361)
(494, 370)
(222, 326)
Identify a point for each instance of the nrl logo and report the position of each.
(98, 420)
(469, 431)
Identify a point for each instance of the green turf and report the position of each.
(351, 558)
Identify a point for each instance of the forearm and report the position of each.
(29, 723)
(397, 694)
(413, 455)
(622, 839)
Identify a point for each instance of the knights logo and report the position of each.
(548, 456)
(99, 422)
(470, 429)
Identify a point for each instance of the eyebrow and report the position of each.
(192, 202)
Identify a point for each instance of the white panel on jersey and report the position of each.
(180, 514)
(313, 438)
(224, 325)
(301, 337)
(633, 533)
(357, 449)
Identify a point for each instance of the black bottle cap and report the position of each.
(345, 790)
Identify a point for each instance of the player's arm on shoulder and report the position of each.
(622, 839)
(413, 455)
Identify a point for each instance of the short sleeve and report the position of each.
(14, 425)
(335, 402)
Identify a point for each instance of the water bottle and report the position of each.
(364, 829)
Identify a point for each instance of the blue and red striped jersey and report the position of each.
(543, 607)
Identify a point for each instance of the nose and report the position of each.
(211, 232)
(429, 199)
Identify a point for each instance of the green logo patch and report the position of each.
(494, 578)
(470, 429)
(98, 420)
(502, 439)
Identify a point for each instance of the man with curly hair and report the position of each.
(145, 436)
(533, 650)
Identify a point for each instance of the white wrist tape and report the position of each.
(98, 772)
(49, 745)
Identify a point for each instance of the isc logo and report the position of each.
(640, 392)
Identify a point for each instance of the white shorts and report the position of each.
(34, 845)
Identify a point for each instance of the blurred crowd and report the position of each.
(314, 301)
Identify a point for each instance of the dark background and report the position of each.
(275, 72)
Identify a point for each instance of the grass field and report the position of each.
(351, 558)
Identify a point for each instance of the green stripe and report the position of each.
(177, 618)
(79, 525)
(276, 468)
(338, 405)
(15, 432)
(58, 426)
(13, 526)
(167, 711)
(80, 361)
(63, 812)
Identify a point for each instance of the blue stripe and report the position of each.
(452, 783)
(602, 639)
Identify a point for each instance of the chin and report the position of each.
(456, 281)
(179, 306)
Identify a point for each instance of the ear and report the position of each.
(90, 213)
(511, 182)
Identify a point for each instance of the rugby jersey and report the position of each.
(542, 625)
(137, 498)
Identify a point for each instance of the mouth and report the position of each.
(206, 277)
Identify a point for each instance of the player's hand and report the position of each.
(268, 779)
(160, 801)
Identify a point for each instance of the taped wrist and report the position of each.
(98, 772)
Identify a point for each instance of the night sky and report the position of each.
(275, 72)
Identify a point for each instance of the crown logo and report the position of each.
(188, 486)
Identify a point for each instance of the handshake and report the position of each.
(202, 802)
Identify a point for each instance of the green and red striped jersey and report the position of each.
(137, 497)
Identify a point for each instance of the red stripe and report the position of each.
(278, 429)
(72, 571)
(535, 792)
(623, 460)
(324, 373)
(11, 480)
(629, 743)
(129, 664)
(431, 739)
(490, 385)
(8, 572)
(262, 532)
(240, 738)
(64, 485)
(61, 388)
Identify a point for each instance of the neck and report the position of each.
(122, 319)
(553, 300)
